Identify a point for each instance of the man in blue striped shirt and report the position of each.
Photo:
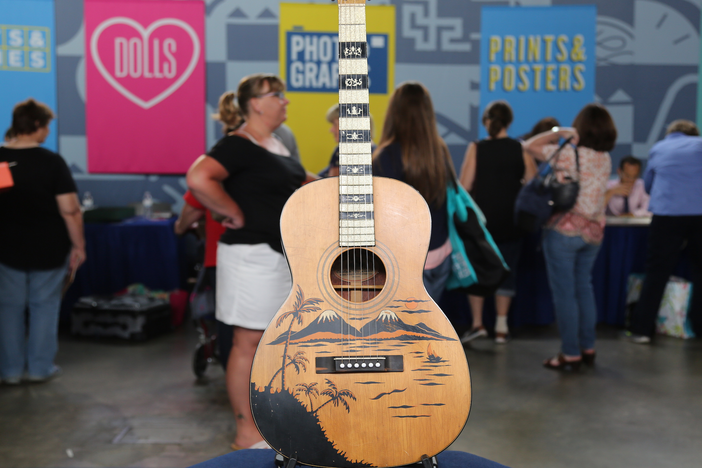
(673, 178)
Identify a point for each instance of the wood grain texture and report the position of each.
(370, 419)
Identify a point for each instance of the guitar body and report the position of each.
(359, 367)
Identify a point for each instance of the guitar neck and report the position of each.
(356, 214)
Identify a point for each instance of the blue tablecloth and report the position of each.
(137, 250)
(623, 252)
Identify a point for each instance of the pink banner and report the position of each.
(145, 85)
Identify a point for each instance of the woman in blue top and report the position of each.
(412, 151)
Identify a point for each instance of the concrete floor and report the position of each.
(139, 405)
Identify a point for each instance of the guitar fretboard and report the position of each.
(356, 214)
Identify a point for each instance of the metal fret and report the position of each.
(352, 15)
(356, 215)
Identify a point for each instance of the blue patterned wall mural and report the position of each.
(647, 58)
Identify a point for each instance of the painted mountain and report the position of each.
(331, 327)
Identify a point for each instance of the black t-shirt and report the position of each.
(389, 164)
(260, 182)
(498, 178)
(33, 234)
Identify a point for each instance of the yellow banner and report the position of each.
(309, 66)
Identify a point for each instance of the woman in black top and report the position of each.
(494, 169)
(247, 177)
(411, 150)
(41, 238)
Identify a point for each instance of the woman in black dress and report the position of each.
(494, 169)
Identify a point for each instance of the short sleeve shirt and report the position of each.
(261, 183)
(33, 234)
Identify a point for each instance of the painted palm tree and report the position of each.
(336, 396)
(300, 307)
(299, 361)
(308, 389)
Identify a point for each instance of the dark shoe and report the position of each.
(634, 338)
(588, 358)
(563, 365)
(55, 372)
(472, 334)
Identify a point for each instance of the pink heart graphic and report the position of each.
(145, 33)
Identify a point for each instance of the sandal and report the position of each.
(563, 365)
(588, 358)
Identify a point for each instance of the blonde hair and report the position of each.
(234, 107)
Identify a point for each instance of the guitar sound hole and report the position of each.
(358, 275)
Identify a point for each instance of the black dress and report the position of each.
(498, 178)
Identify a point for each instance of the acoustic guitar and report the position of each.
(359, 367)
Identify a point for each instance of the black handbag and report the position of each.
(545, 194)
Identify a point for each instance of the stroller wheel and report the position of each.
(200, 360)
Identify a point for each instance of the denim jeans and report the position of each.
(33, 348)
(569, 262)
(435, 279)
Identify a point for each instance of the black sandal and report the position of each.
(563, 365)
(588, 358)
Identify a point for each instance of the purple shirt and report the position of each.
(638, 200)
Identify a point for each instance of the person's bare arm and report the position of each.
(69, 207)
(188, 215)
(204, 179)
(534, 146)
(467, 176)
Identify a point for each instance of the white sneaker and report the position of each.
(260, 445)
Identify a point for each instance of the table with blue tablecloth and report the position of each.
(623, 252)
(136, 250)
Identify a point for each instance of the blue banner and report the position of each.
(27, 58)
(312, 62)
(539, 59)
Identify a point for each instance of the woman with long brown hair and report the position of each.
(412, 151)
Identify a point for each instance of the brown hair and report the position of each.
(596, 129)
(410, 121)
(500, 115)
(234, 107)
(29, 116)
(547, 123)
(683, 126)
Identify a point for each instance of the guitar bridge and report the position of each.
(349, 364)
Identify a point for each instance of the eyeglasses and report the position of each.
(279, 94)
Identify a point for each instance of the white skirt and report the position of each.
(253, 281)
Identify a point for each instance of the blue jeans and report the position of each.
(35, 348)
(435, 279)
(569, 262)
